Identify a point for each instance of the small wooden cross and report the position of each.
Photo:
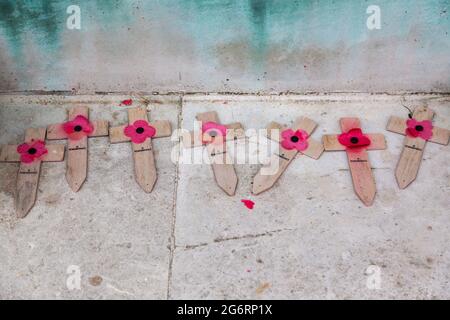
(28, 175)
(414, 143)
(358, 158)
(140, 135)
(284, 157)
(221, 162)
(77, 143)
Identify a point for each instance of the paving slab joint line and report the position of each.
(172, 244)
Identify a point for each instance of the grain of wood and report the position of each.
(223, 169)
(77, 157)
(412, 153)
(28, 177)
(144, 160)
(269, 174)
(163, 129)
(359, 164)
(221, 162)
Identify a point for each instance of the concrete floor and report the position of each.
(308, 237)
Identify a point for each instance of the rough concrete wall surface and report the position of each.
(225, 45)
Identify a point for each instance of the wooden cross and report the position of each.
(411, 156)
(144, 160)
(284, 157)
(221, 162)
(358, 158)
(77, 149)
(28, 175)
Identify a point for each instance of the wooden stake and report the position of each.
(358, 159)
(28, 174)
(264, 181)
(413, 148)
(221, 162)
(77, 157)
(144, 160)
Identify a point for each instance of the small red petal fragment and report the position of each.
(128, 102)
(248, 203)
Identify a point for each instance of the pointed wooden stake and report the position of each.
(221, 162)
(77, 158)
(358, 159)
(265, 179)
(29, 173)
(413, 147)
(144, 160)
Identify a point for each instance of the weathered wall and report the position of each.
(225, 45)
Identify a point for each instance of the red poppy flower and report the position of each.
(139, 131)
(422, 129)
(354, 138)
(78, 128)
(29, 152)
(213, 130)
(294, 140)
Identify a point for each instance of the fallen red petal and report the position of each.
(248, 203)
(128, 102)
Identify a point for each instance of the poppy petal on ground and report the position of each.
(248, 203)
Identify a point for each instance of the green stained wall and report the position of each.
(225, 45)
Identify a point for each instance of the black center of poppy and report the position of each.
(294, 139)
(78, 128)
(140, 130)
(419, 128)
(32, 151)
(354, 140)
(213, 133)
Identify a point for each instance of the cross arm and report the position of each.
(9, 153)
(56, 132)
(163, 129)
(194, 139)
(331, 142)
(303, 123)
(315, 148)
(398, 125)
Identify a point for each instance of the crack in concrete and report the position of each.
(246, 236)
(172, 245)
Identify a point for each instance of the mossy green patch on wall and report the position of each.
(225, 45)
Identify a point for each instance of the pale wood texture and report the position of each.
(221, 162)
(194, 139)
(144, 160)
(28, 177)
(56, 132)
(413, 148)
(360, 169)
(331, 142)
(269, 174)
(223, 169)
(8, 153)
(163, 129)
(358, 159)
(76, 172)
(77, 159)
(398, 125)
